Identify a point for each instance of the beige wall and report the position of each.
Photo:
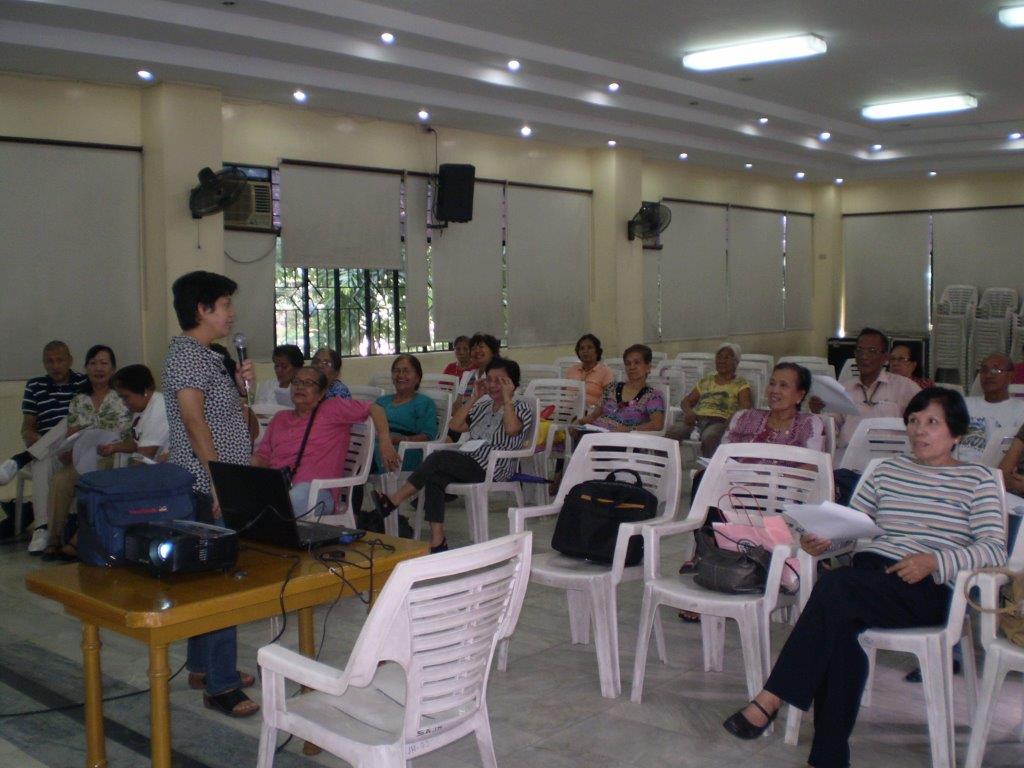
(964, 191)
(182, 128)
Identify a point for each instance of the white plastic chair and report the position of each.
(850, 370)
(528, 373)
(416, 679)
(617, 367)
(766, 361)
(381, 380)
(758, 380)
(390, 481)
(591, 587)
(1001, 658)
(1016, 336)
(565, 363)
(1000, 300)
(569, 398)
(658, 357)
(706, 358)
(368, 393)
(875, 439)
(477, 495)
(829, 421)
(954, 387)
(443, 381)
(816, 365)
(951, 325)
(362, 438)
(761, 487)
(933, 647)
(990, 333)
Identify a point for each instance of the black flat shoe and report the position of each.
(442, 547)
(914, 675)
(383, 504)
(741, 728)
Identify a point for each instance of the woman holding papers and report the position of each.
(938, 516)
(495, 421)
(631, 405)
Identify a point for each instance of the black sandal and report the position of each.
(384, 505)
(227, 703)
(442, 547)
(741, 728)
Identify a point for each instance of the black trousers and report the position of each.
(436, 472)
(822, 662)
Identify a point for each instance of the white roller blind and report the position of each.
(466, 260)
(69, 253)
(416, 313)
(548, 253)
(799, 272)
(249, 260)
(693, 279)
(755, 271)
(339, 218)
(886, 265)
(980, 248)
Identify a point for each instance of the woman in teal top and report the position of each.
(411, 415)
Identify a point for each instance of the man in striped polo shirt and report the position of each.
(44, 404)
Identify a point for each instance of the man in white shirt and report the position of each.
(995, 414)
(876, 392)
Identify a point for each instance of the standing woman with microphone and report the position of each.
(207, 423)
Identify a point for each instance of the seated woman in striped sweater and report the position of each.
(939, 516)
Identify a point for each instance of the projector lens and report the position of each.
(163, 550)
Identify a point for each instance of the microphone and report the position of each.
(241, 349)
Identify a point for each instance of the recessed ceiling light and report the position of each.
(612, 142)
(144, 74)
(748, 166)
(423, 114)
(387, 38)
(876, 147)
(799, 175)
(613, 87)
(1012, 17)
(760, 52)
(762, 120)
(683, 155)
(956, 102)
(1014, 136)
(299, 96)
(839, 180)
(932, 174)
(824, 136)
(525, 131)
(513, 65)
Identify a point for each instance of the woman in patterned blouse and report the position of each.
(631, 405)
(939, 517)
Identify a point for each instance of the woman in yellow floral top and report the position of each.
(97, 406)
(714, 400)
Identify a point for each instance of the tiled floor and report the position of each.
(546, 711)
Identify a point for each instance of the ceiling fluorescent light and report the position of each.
(760, 52)
(1012, 17)
(934, 106)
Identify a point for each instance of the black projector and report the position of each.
(180, 546)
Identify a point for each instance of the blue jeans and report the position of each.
(214, 654)
(300, 502)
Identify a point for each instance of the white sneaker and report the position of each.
(40, 538)
(7, 471)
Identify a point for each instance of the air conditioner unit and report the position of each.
(253, 210)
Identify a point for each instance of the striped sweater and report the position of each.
(952, 512)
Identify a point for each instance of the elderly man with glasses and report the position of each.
(995, 414)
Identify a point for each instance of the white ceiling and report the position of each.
(450, 58)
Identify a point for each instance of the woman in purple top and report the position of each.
(631, 405)
(782, 423)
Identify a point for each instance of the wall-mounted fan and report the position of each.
(216, 191)
(650, 221)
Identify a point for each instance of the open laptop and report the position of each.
(255, 502)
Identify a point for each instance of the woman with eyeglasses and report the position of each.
(903, 362)
(324, 424)
(328, 362)
(149, 435)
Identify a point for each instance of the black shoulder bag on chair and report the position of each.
(289, 472)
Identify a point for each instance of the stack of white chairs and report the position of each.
(951, 324)
(368, 393)
(819, 366)
(760, 487)
(531, 371)
(1001, 657)
(1016, 337)
(990, 334)
(416, 679)
(591, 587)
(443, 381)
(1000, 300)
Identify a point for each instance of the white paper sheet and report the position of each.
(42, 447)
(591, 428)
(832, 393)
(831, 521)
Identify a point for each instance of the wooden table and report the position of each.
(159, 612)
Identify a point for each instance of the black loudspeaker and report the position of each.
(455, 192)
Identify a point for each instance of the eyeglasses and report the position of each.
(994, 370)
(867, 351)
(900, 359)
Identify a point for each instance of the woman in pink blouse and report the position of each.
(594, 374)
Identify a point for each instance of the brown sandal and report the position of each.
(197, 680)
(231, 703)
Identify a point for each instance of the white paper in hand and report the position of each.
(591, 428)
(834, 395)
(831, 521)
